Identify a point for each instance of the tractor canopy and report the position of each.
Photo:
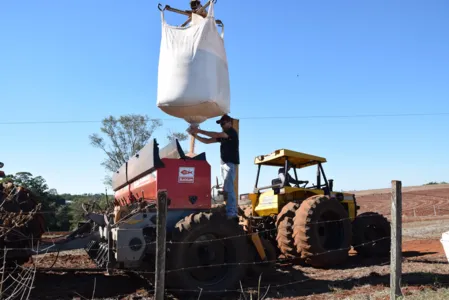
(297, 159)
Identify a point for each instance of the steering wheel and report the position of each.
(302, 182)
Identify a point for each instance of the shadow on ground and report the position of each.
(328, 286)
(358, 261)
(87, 286)
(286, 281)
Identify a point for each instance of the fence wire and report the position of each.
(21, 278)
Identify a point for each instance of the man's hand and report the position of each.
(190, 130)
(193, 130)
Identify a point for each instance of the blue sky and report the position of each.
(83, 60)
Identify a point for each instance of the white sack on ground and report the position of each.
(193, 76)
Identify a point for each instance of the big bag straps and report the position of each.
(210, 15)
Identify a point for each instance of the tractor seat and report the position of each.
(276, 181)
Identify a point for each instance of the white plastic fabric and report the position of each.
(445, 241)
(193, 76)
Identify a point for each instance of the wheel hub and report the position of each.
(330, 230)
(211, 254)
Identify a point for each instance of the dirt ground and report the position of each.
(425, 265)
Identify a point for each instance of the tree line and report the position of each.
(119, 139)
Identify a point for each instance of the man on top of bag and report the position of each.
(195, 5)
(230, 157)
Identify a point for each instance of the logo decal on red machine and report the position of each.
(186, 175)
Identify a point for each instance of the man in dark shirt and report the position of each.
(230, 157)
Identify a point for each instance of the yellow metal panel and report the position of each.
(259, 247)
(253, 199)
(351, 208)
(267, 204)
(349, 200)
(277, 158)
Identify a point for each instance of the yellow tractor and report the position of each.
(311, 222)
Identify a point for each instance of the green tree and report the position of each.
(124, 137)
(36, 184)
(96, 202)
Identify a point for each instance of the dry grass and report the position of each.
(426, 293)
(429, 294)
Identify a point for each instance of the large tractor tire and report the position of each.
(371, 234)
(221, 209)
(284, 224)
(260, 266)
(218, 208)
(206, 252)
(322, 231)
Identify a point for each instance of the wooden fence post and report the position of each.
(396, 240)
(160, 244)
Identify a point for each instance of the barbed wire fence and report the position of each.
(17, 280)
(21, 278)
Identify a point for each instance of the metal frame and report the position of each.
(201, 11)
(327, 186)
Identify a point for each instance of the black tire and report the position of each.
(221, 209)
(322, 231)
(188, 251)
(371, 234)
(284, 224)
(218, 208)
(263, 267)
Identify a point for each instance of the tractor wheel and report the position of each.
(260, 266)
(218, 208)
(322, 231)
(284, 224)
(221, 209)
(201, 240)
(371, 234)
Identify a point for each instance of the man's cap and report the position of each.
(224, 118)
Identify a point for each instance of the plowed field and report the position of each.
(422, 201)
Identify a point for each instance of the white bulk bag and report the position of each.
(445, 241)
(193, 77)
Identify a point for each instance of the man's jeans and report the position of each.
(228, 175)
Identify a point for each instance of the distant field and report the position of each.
(417, 201)
(404, 189)
(431, 200)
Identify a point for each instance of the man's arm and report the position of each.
(213, 135)
(206, 140)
